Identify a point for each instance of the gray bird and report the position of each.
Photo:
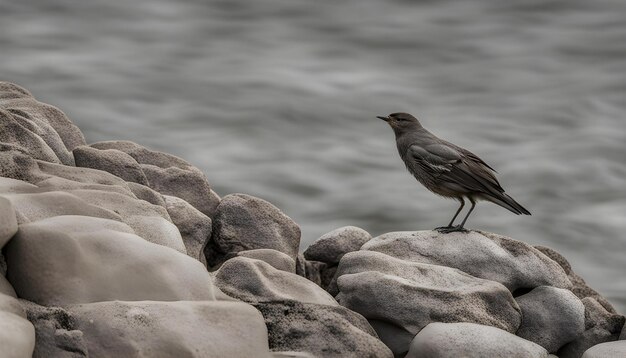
(446, 169)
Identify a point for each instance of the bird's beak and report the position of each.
(386, 119)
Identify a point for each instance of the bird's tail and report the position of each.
(505, 201)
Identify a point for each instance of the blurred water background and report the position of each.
(278, 99)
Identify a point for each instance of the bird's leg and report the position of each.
(461, 227)
(455, 215)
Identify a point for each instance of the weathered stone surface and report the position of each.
(255, 281)
(243, 222)
(17, 165)
(394, 337)
(15, 186)
(8, 221)
(195, 227)
(411, 295)
(323, 331)
(292, 355)
(600, 326)
(17, 335)
(313, 271)
(105, 265)
(276, 259)
(469, 340)
(157, 230)
(579, 286)
(15, 132)
(331, 246)
(551, 317)
(513, 263)
(112, 161)
(143, 155)
(143, 192)
(123, 205)
(57, 336)
(202, 329)
(607, 350)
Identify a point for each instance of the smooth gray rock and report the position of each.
(157, 230)
(51, 265)
(607, 350)
(513, 263)
(243, 222)
(276, 259)
(469, 340)
(323, 331)
(331, 246)
(8, 221)
(200, 329)
(600, 326)
(17, 335)
(112, 161)
(254, 281)
(143, 155)
(123, 205)
(143, 192)
(551, 317)
(195, 227)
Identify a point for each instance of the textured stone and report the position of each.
(331, 246)
(243, 222)
(513, 263)
(105, 265)
(17, 335)
(195, 227)
(202, 329)
(276, 259)
(157, 230)
(323, 331)
(469, 340)
(255, 281)
(607, 350)
(143, 192)
(8, 221)
(123, 205)
(14, 131)
(551, 317)
(600, 326)
(112, 161)
(411, 295)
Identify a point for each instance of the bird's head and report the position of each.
(401, 122)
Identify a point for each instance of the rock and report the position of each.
(470, 340)
(313, 271)
(411, 295)
(56, 332)
(292, 355)
(5, 285)
(17, 335)
(157, 230)
(255, 281)
(143, 192)
(123, 205)
(13, 132)
(195, 227)
(14, 186)
(112, 161)
(33, 207)
(301, 265)
(600, 326)
(243, 222)
(514, 264)
(8, 221)
(323, 331)
(551, 317)
(203, 329)
(276, 259)
(606, 350)
(396, 338)
(105, 265)
(580, 287)
(16, 165)
(143, 155)
(332, 246)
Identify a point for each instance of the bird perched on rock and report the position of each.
(446, 169)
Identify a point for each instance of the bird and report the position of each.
(447, 169)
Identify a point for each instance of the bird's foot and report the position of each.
(449, 229)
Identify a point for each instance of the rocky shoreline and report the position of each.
(115, 250)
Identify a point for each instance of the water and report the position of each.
(278, 99)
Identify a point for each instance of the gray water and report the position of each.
(278, 99)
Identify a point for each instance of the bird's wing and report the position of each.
(450, 164)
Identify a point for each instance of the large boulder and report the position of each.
(113, 161)
(105, 265)
(331, 247)
(157, 230)
(256, 281)
(600, 326)
(17, 334)
(513, 263)
(470, 340)
(276, 259)
(606, 350)
(22, 136)
(551, 317)
(8, 221)
(243, 222)
(324, 331)
(194, 227)
(410, 295)
(202, 329)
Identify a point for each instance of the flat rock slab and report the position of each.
(513, 263)
(323, 331)
(105, 265)
(469, 340)
(331, 247)
(255, 281)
